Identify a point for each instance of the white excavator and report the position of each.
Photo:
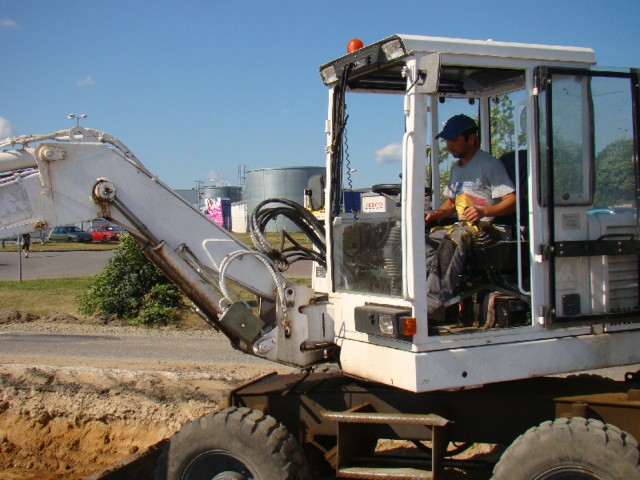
(558, 293)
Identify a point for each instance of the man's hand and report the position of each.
(444, 211)
(505, 206)
(431, 217)
(473, 214)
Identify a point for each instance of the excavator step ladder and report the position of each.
(354, 430)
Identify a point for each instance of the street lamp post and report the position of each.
(77, 118)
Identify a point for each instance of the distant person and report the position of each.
(26, 244)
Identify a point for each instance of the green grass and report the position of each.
(43, 296)
(274, 239)
(60, 295)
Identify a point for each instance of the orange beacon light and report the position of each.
(354, 44)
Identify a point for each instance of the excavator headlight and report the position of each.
(329, 75)
(386, 325)
(393, 49)
(385, 321)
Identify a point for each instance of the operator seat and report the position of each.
(509, 162)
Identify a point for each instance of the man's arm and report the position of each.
(445, 210)
(506, 206)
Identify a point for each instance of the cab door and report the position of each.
(588, 188)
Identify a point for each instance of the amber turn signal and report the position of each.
(409, 326)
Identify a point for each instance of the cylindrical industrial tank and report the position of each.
(233, 193)
(286, 182)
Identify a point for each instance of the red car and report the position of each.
(104, 233)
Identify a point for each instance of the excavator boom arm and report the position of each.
(81, 174)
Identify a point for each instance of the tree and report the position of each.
(132, 288)
(615, 175)
(445, 171)
(568, 170)
(502, 127)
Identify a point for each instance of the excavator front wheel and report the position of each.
(236, 443)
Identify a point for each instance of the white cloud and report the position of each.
(6, 129)
(8, 23)
(87, 81)
(390, 154)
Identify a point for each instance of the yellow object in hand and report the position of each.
(463, 201)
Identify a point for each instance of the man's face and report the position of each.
(461, 147)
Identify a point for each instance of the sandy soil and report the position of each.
(71, 421)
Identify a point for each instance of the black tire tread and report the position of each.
(573, 431)
(259, 429)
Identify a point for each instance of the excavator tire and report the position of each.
(576, 448)
(235, 443)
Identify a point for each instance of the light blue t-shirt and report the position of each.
(484, 179)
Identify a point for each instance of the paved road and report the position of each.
(52, 264)
(80, 264)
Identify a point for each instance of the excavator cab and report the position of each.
(567, 261)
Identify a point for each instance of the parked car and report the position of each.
(104, 233)
(69, 234)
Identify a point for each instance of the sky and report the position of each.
(197, 88)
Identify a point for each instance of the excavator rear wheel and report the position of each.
(571, 449)
(234, 444)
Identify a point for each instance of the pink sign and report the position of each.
(213, 210)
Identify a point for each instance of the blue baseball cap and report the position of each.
(455, 126)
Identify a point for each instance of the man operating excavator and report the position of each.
(479, 189)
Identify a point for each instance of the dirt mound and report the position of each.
(59, 318)
(11, 315)
(67, 423)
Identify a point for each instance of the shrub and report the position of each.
(132, 288)
(159, 305)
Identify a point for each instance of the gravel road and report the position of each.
(115, 347)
